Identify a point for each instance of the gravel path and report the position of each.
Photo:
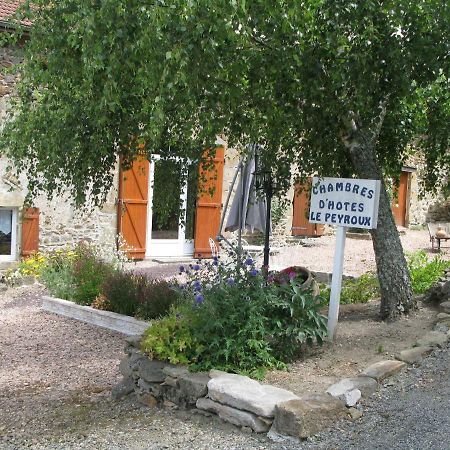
(56, 374)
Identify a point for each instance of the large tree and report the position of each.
(330, 87)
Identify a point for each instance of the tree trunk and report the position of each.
(393, 274)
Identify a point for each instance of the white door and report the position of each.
(169, 228)
(8, 234)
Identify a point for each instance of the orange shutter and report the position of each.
(300, 223)
(30, 231)
(209, 207)
(132, 212)
(400, 199)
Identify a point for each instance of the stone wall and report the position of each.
(60, 223)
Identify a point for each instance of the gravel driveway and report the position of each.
(56, 375)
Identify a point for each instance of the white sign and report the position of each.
(345, 202)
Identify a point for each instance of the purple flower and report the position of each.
(230, 282)
(181, 269)
(254, 272)
(196, 267)
(199, 299)
(249, 261)
(292, 275)
(215, 263)
(215, 258)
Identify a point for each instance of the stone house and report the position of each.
(129, 209)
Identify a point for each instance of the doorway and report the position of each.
(171, 209)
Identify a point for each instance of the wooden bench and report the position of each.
(432, 228)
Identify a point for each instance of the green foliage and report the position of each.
(119, 289)
(424, 272)
(238, 321)
(57, 274)
(89, 273)
(137, 295)
(170, 339)
(358, 290)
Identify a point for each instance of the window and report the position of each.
(8, 230)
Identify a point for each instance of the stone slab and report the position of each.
(193, 386)
(233, 415)
(151, 370)
(433, 339)
(175, 371)
(366, 385)
(415, 354)
(306, 416)
(350, 398)
(383, 369)
(442, 315)
(246, 394)
(445, 307)
(125, 387)
(105, 319)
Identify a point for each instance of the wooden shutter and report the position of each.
(30, 231)
(209, 207)
(132, 211)
(300, 223)
(400, 199)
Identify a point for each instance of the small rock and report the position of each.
(134, 340)
(354, 413)
(234, 415)
(383, 369)
(444, 316)
(125, 387)
(169, 404)
(304, 417)
(124, 367)
(445, 307)
(246, 430)
(366, 385)
(175, 371)
(442, 327)
(351, 398)
(193, 386)
(169, 381)
(147, 399)
(433, 339)
(151, 370)
(415, 354)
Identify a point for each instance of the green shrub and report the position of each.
(237, 321)
(358, 290)
(154, 297)
(137, 295)
(89, 273)
(57, 277)
(170, 339)
(424, 273)
(119, 288)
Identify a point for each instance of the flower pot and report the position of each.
(297, 272)
(440, 233)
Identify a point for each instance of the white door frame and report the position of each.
(166, 247)
(13, 255)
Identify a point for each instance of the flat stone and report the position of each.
(350, 398)
(147, 399)
(442, 327)
(134, 340)
(354, 413)
(306, 416)
(445, 307)
(169, 381)
(193, 386)
(383, 369)
(366, 385)
(125, 368)
(446, 288)
(442, 316)
(125, 387)
(414, 355)
(152, 388)
(433, 339)
(151, 370)
(246, 394)
(233, 415)
(175, 371)
(214, 373)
